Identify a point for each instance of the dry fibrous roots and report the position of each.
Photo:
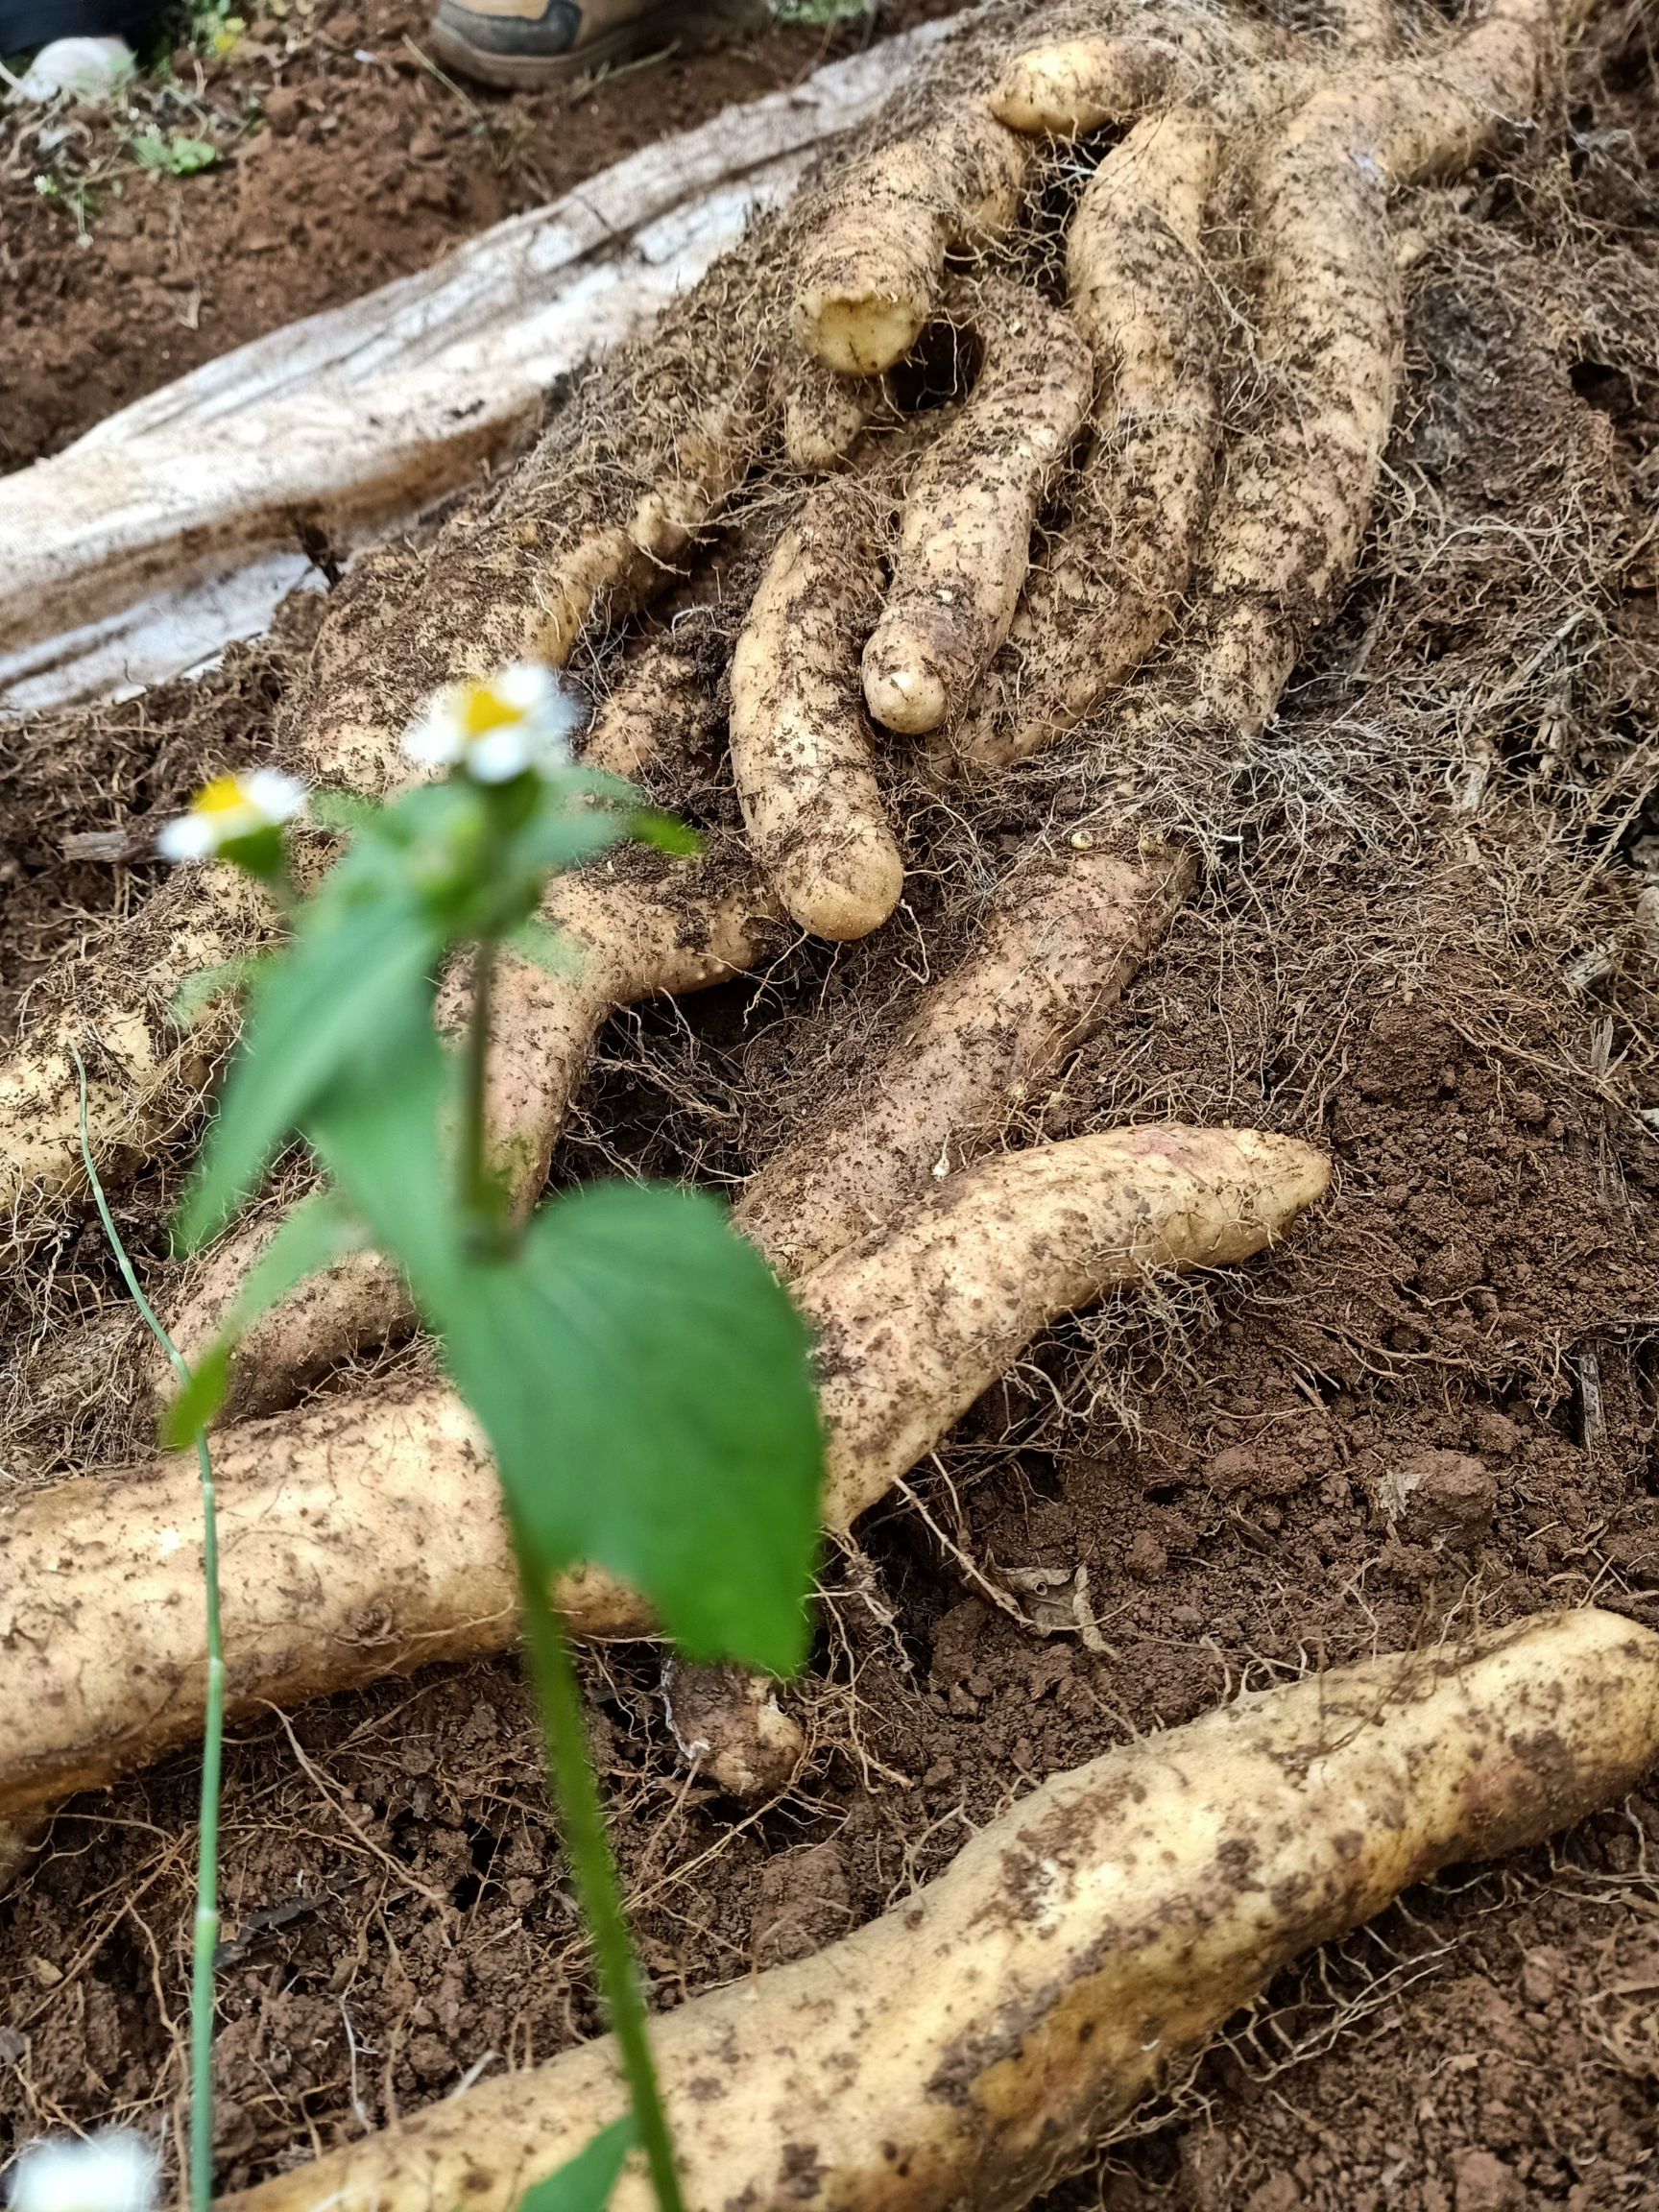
(988, 2031)
(361, 1537)
(1167, 447)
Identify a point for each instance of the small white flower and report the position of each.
(231, 806)
(523, 717)
(114, 2172)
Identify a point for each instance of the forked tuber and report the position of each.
(979, 2039)
(1223, 552)
(362, 1537)
(964, 543)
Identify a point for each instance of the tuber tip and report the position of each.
(902, 696)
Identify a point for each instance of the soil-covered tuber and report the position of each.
(964, 542)
(801, 745)
(1068, 931)
(977, 2038)
(874, 261)
(363, 1536)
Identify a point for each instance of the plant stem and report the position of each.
(206, 1933)
(559, 1694)
(201, 1963)
(477, 1191)
(583, 1821)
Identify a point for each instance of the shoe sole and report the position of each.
(658, 27)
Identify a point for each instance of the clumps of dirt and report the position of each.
(340, 157)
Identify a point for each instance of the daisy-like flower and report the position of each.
(229, 807)
(523, 717)
(116, 2172)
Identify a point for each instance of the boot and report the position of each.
(524, 43)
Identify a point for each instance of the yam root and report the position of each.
(1044, 971)
(1044, 975)
(963, 541)
(823, 414)
(588, 526)
(977, 2040)
(1147, 308)
(1005, 1247)
(1299, 490)
(875, 261)
(801, 745)
(1067, 90)
(656, 716)
(731, 1728)
(650, 452)
(143, 1071)
(1287, 530)
(636, 929)
(363, 1536)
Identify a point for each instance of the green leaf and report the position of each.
(178, 154)
(353, 975)
(183, 1421)
(197, 991)
(559, 841)
(316, 1232)
(347, 813)
(543, 948)
(647, 1388)
(666, 832)
(643, 1379)
(379, 1132)
(584, 2184)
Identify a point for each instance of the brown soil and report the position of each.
(343, 161)
(1461, 1004)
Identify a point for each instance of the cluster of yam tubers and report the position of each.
(974, 2041)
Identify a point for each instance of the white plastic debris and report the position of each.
(95, 70)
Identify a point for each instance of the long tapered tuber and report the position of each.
(801, 744)
(972, 2043)
(1044, 971)
(964, 541)
(932, 1314)
(363, 1536)
(1146, 306)
(1299, 490)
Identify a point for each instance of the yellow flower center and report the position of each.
(222, 796)
(483, 708)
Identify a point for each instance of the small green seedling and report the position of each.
(175, 152)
